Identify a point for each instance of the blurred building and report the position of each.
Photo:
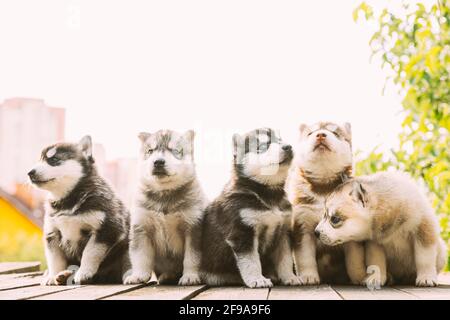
(122, 175)
(26, 127)
(119, 173)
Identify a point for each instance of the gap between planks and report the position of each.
(363, 293)
(19, 267)
(232, 293)
(160, 292)
(13, 281)
(89, 292)
(320, 292)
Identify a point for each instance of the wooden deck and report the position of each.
(20, 281)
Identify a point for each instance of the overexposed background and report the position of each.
(121, 67)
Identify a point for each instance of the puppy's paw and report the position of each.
(136, 278)
(189, 279)
(426, 280)
(49, 281)
(62, 277)
(309, 278)
(83, 276)
(259, 282)
(373, 282)
(292, 280)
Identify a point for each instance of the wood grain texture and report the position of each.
(15, 286)
(19, 267)
(156, 292)
(322, 292)
(12, 281)
(90, 292)
(32, 292)
(362, 293)
(233, 293)
(442, 292)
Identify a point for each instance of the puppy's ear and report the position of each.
(359, 193)
(189, 136)
(237, 144)
(143, 136)
(85, 146)
(348, 128)
(304, 128)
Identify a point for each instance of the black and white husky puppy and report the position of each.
(85, 224)
(166, 217)
(246, 229)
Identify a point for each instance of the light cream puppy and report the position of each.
(395, 219)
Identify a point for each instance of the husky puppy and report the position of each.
(166, 218)
(323, 161)
(393, 216)
(246, 229)
(85, 224)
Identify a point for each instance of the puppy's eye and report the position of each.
(53, 161)
(149, 151)
(335, 220)
(263, 147)
(336, 134)
(177, 153)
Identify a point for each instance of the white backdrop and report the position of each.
(120, 67)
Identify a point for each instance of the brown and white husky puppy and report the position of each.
(394, 218)
(323, 160)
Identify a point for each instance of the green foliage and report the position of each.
(414, 48)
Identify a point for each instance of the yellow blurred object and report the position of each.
(20, 236)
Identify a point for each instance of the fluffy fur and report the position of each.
(166, 217)
(246, 229)
(393, 216)
(85, 224)
(323, 160)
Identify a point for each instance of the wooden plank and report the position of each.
(32, 292)
(19, 267)
(89, 292)
(13, 281)
(163, 292)
(362, 293)
(4, 277)
(321, 292)
(233, 293)
(444, 278)
(442, 292)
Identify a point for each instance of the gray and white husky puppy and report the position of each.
(246, 229)
(85, 224)
(166, 217)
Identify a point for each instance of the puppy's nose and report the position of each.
(317, 233)
(287, 147)
(159, 163)
(32, 173)
(321, 136)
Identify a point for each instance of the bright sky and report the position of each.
(121, 67)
